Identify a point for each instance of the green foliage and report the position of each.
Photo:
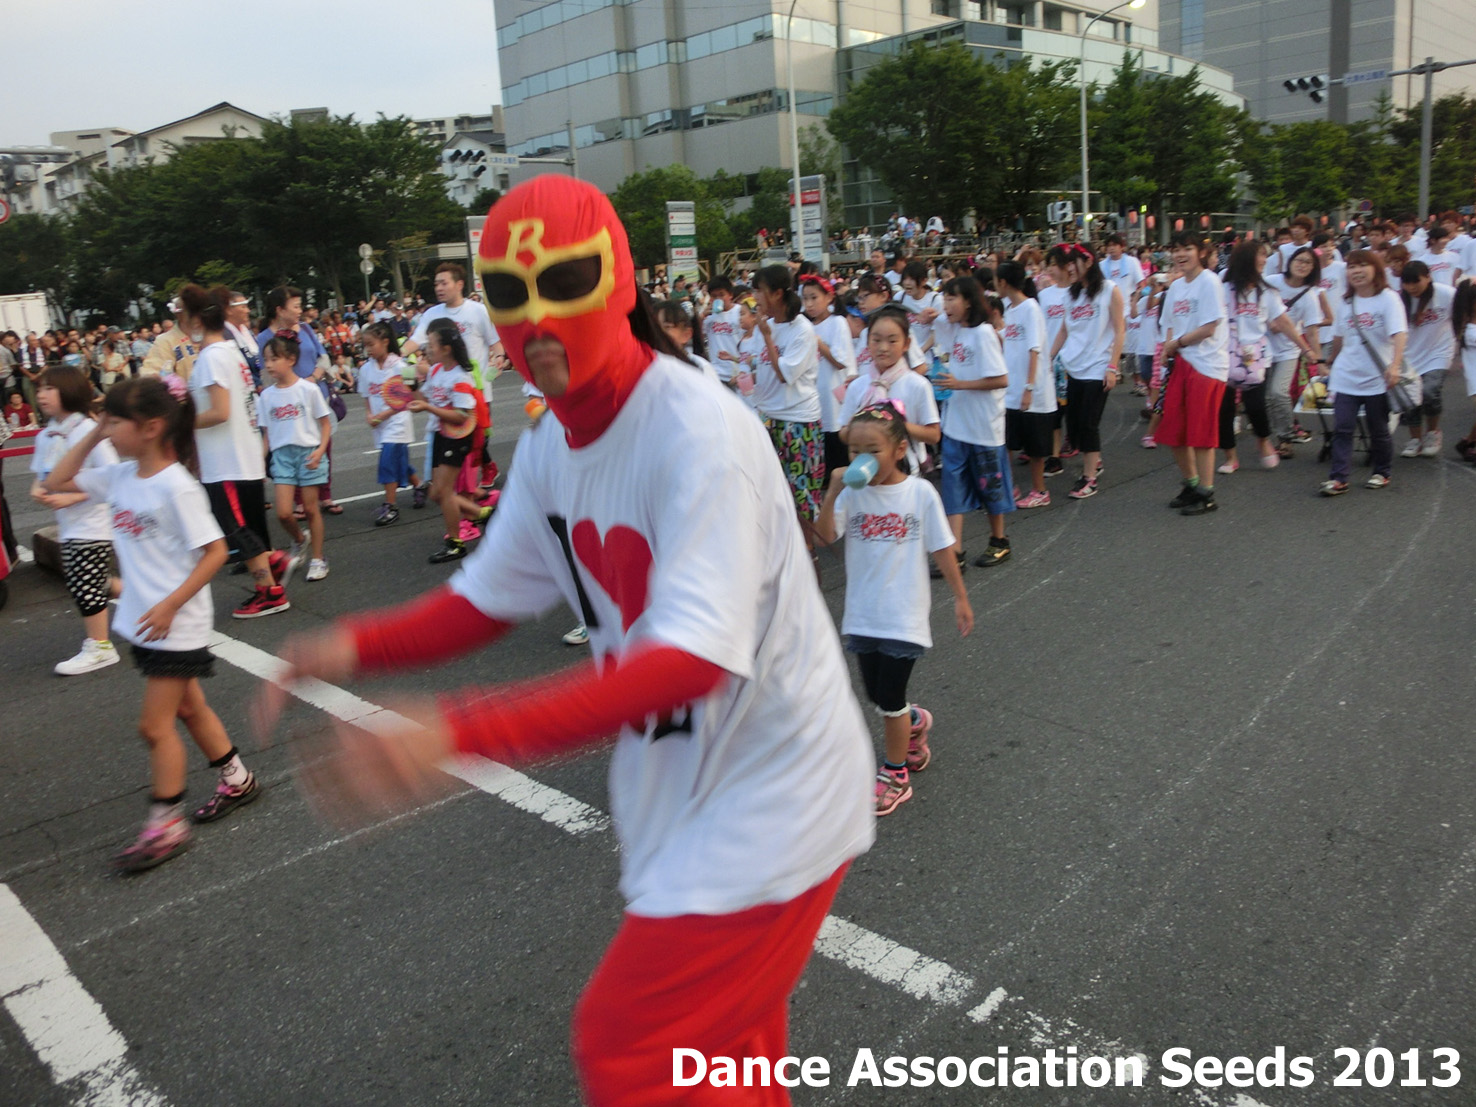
(483, 200)
(1176, 146)
(33, 254)
(293, 205)
(918, 121)
(1032, 128)
(820, 154)
(1453, 153)
(641, 201)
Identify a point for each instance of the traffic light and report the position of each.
(1313, 86)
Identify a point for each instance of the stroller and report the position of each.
(1314, 399)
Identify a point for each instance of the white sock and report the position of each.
(234, 773)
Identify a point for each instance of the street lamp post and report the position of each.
(796, 227)
(1086, 182)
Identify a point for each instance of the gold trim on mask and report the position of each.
(526, 236)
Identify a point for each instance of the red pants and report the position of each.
(718, 984)
(1191, 408)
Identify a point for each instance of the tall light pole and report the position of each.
(796, 226)
(1086, 180)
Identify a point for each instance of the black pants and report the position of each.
(1254, 401)
(886, 679)
(1085, 401)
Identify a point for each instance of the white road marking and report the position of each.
(913, 973)
(523, 792)
(70, 1033)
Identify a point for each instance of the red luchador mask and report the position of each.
(554, 261)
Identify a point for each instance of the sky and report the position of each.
(118, 63)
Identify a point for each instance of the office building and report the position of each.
(649, 83)
(1265, 42)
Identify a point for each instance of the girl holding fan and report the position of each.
(168, 546)
(382, 383)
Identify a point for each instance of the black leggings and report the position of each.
(1085, 401)
(1254, 400)
(886, 680)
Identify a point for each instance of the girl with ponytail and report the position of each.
(168, 547)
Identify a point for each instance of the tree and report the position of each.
(1298, 167)
(1453, 152)
(1121, 123)
(820, 154)
(1032, 130)
(641, 199)
(34, 252)
(483, 200)
(918, 122)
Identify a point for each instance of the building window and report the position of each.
(1191, 29)
(946, 7)
(1051, 20)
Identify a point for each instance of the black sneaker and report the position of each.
(452, 549)
(1187, 495)
(1204, 503)
(1053, 466)
(993, 555)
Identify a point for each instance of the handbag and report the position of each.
(335, 401)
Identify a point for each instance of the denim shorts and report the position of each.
(891, 647)
(975, 477)
(394, 464)
(289, 466)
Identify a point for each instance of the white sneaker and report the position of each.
(317, 569)
(1432, 443)
(579, 636)
(1411, 448)
(92, 656)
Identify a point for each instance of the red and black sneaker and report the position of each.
(265, 601)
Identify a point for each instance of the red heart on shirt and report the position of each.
(620, 564)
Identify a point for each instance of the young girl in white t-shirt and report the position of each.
(837, 362)
(169, 546)
(299, 426)
(892, 525)
(65, 397)
(1429, 353)
(394, 427)
(924, 306)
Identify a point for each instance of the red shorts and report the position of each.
(1191, 408)
(718, 984)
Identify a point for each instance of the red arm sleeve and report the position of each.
(558, 713)
(427, 629)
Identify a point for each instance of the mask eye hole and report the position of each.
(570, 280)
(505, 292)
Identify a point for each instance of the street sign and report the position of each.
(503, 161)
(366, 251)
(4, 211)
(366, 267)
(681, 240)
(1060, 211)
(473, 247)
(1370, 75)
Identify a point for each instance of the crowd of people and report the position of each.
(724, 430)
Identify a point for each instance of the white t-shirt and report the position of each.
(1460, 245)
(1380, 318)
(748, 352)
(1281, 257)
(89, 520)
(1148, 336)
(912, 390)
(1089, 336)
(1189, 305)
(439, 390)
(1250, 318)
(721, 332)
(1334, 282)
(796, 399)
(835, 332)
(1052, 300)
(973, 415)
(1432, 342)
(290, 415)
(1442, 265)
(890, 531)
(229, 450)
(1126, 272)
(1305, 312)
(476, 329)
(1024, 330)
(929, 300)
(1468, 357)
(680, 528)
(399, 427)
(160, 526)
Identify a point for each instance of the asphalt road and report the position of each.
(1202, 783)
